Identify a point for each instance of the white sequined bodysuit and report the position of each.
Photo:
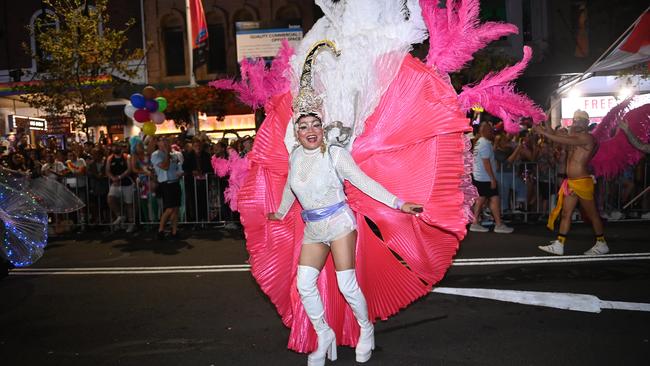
(316, 179)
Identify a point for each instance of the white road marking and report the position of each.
(547, 260)
(568, 301)
(558, 300)
(246, 267)
(119, 271)
(615, 255)
(219, 266)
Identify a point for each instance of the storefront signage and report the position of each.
(256, 39)
(26, 123)
(59, 125)
(241, 122)
(37, 125)
(597, 106)
(116, 129)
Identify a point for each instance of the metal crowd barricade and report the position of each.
(64, 222)
(96, 211)
(612, 197)
(526, 190)
(201, 203)
(523, 183)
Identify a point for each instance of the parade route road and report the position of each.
(120, 300)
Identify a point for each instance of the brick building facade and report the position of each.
(16, 16)
(166, 35)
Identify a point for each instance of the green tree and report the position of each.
(77, 60)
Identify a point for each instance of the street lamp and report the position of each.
(574, 93)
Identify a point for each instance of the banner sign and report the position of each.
(199, 33)
(258, 39)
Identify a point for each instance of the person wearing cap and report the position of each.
(578, 187)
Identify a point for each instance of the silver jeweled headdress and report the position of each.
(307, 101)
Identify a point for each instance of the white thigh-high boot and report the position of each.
(306, 283)
(350, 289)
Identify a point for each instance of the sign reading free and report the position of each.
(257, 39)
(597, 106)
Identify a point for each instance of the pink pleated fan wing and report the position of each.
(413, 144)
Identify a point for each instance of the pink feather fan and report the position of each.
(258, 84)
(455, 33)
(496, 94)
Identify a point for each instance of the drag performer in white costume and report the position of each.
(387, 120)
(316, 174)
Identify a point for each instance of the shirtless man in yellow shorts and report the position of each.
(577, 187)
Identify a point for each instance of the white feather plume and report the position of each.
(373, 37)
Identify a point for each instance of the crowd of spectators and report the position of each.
(127, 182)
(123, 184)
(529, 169)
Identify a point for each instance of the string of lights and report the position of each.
(24, 227)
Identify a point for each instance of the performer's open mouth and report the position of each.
(312, 138)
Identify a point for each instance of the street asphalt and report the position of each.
(101, 298)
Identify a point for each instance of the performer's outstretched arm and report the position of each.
(581, 139)
(633, 139)
(287, 200)
(348, 169)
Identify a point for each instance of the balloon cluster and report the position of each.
(146, 110)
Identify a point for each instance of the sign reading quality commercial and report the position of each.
(255, 39)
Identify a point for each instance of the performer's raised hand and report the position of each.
(412, 208)
(273, 217)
